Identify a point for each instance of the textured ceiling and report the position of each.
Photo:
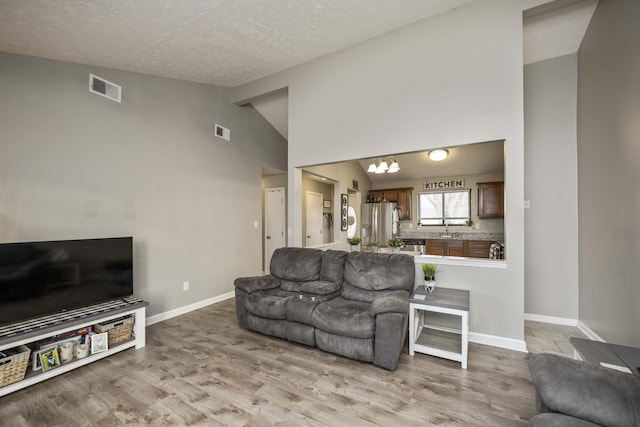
(221, 42)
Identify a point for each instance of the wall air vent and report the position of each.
(223, 132)
(105, 88)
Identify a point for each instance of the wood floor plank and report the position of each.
(202, 369)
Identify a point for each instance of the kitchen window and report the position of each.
(447, 207)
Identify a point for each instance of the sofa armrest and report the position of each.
(389, 304)
(257, 283)
(586, 391)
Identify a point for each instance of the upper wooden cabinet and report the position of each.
(401, 196)
(491, 199)
(404, 202)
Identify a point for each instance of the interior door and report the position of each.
(274, 223)
(313, 216)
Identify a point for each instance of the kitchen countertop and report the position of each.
(460, 261)
(419, 258)
(437, 235)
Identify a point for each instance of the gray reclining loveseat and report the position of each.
(352, 304)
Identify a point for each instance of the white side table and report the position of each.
(446, 342)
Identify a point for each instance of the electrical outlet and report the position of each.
(527, 204)
(185, 286)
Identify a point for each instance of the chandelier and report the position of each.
(382, 166)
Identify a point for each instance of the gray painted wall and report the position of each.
(76, 165)
(452, 79)
(550, 183)
(609, 172)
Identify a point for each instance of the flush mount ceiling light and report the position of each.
(383, 167)
(437, 155)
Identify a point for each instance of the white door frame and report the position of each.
(274, 222)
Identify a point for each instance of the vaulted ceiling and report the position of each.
(220, 42)
(230, 42)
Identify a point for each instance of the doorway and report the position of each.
(313, 219)
(274, 223)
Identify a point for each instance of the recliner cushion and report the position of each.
(271, 304)
(375, 271)
(320, 287)
(353, 348)
(353, 293)
(344, 317)
(291, 286)
(296, 264)
(317, 287)
(300, 308)
(332, 269)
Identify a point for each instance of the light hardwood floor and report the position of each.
(202, 369)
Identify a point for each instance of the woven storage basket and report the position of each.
(118, 330)
(14, 367)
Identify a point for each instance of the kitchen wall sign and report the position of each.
(444, 184)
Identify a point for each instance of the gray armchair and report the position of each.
(575, 393)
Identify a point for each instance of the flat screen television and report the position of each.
(43, 278)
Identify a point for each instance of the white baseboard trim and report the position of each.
(564, 322)
(474, 337)
(588, 332)
(495, 341)
(551, 319)
(187, 308)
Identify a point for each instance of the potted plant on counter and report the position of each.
(372, 247)
(429, 271)
(395, 244)
(353, 243)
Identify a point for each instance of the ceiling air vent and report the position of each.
(105, 88)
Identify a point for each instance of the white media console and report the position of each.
(29, 332)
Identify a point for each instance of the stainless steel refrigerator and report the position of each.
(379, 223)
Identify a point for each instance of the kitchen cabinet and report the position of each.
(436, 247)
(466, 248)
(401, 196)
(445, 247)
(491, 199)
(455, 248)
(478, 248)
(404, 202)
